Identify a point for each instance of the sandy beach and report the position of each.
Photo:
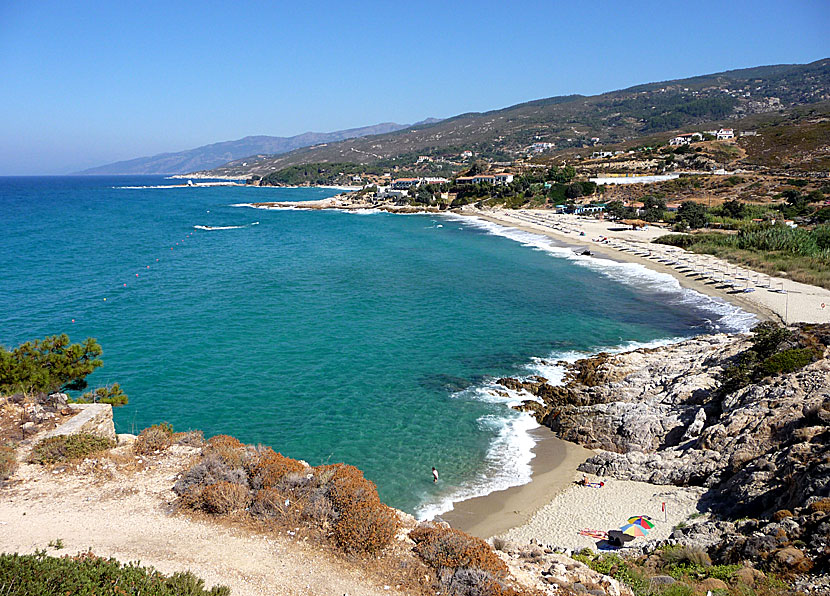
(553, 469)
(770, 297)
(552, 508)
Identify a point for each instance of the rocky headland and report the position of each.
(745, 417)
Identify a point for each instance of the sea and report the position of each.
(361, 337)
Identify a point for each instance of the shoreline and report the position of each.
(554, 468)
(798, 303)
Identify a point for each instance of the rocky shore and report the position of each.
(692, 414)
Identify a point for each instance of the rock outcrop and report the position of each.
(94, 419)
(661, 416)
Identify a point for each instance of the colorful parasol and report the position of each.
(634, 530)
(642, 520)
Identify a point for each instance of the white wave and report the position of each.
(159, 186)
(271, 207)
(212, 228)
(508, 459)
(727, 317)
(507, 463)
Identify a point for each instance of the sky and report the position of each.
(87, 83)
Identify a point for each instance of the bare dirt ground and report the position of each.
(125, 510)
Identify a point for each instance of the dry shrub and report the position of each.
(822, 505)
(224, 497)
(191, 438)
(348, 488)
(368, 526)
(272, 503)
(319, 509)
(686, 554)
(473, 582)
(271, 468)
(224, 441)
(448, 548)
(154, 438)
(209, 470)
(8, 462)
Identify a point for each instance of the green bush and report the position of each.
(111, 394)
(69, 448)
(88, 575)
(788, 361)
(48, 365)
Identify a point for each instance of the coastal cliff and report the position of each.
(703, 412)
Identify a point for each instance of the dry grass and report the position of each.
(69, 448)
(223, 498)
(8, 462)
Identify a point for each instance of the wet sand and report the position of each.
(553, 468)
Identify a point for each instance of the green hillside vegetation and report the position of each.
(572, 121)
(768, 246)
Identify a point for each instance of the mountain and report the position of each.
(572, 120)
(216, 154)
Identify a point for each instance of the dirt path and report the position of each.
(129, 517)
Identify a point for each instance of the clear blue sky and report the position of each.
(86, 83)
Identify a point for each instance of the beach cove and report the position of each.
(472, 305)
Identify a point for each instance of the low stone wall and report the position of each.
(95, 419)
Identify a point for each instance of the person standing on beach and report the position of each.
(434, 475)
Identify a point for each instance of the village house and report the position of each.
(601, 154)
(424, 158)
(466, 154)
(540, 147)
(725, 133)
(502, 178)
(682, 139)
(405, 183)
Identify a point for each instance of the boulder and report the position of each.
(94, 419)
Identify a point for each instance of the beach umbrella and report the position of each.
(642, 520)
(634, 530)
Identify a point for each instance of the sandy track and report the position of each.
(130, 517)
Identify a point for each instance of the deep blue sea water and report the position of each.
(367, 338)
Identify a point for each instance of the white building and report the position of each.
(540, 147)
(405, 183)
(502, 178)
(683, 139)
(725, 133)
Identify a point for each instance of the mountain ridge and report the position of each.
(569, 121)
(215, 154)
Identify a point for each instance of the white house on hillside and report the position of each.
(725, 133)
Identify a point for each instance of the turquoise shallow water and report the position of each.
(366, 338)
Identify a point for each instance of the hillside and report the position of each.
(572, 121)
(216, 154)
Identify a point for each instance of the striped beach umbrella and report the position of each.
(634, 530)
(642, 520)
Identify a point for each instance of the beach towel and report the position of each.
(598, 534)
